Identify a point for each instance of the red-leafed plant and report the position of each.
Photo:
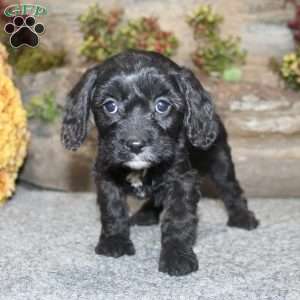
(294, 24)
(107, 33)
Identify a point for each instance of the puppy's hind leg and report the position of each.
(223, 174)
(147, 215)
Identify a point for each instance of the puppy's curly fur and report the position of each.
(158, 130)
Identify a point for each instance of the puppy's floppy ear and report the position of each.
(76, 115)
(200, 119)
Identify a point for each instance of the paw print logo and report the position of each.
(24, 32)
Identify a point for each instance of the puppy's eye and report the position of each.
(162, 106)
(111, 106)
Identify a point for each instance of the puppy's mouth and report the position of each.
(138, 163)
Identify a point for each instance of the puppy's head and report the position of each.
(145, 107)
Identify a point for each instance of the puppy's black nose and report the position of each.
(135, 145)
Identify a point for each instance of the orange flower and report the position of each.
(14, 134)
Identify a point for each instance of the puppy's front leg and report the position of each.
(179, 224)
(114, 239)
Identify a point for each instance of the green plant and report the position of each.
(232, 74)
(145, 33)
(105, 34)
(290, 69)
(3, 34)
(215, 55)
(99, 32)
(205, 22)
(34, 60)
(274, 64)
(219, 55)
(43, 107)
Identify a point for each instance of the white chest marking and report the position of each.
(135, 178)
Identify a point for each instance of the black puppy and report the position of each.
(157, 129)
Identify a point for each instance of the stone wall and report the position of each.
(262, 117)
(260, 23)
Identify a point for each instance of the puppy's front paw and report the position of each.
(243, 219)
(114, 246)
(177, 260)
